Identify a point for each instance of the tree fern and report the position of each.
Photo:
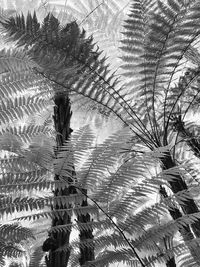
(136, 163)
(101, 82)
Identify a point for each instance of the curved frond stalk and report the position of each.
(162, 58)
(129, 174)
(127, 204)
(92, 77)
(133, 250)
(165, 42)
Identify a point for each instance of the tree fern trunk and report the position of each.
(189, 207)
(185, 231)
(62, 116)
(177, 185)
(87, 252)
(175, 214)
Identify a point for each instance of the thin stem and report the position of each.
(143, 128)
(147, 108)
(175, 67)
(145, 141)
(157, 68)
(90, 13)
(176, 101)
(118, 228)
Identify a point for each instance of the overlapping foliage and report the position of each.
(143, 191)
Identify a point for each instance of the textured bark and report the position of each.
(177, 185)
(87, 252)
(189, 207)
(175, 214)
(185, 231)
(62, 116)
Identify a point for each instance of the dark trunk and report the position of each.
(185, 231)
(177, 185)
(171, 263)
(62, 116)
(175, 214)
(87, 252)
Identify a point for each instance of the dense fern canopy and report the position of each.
(141, 183)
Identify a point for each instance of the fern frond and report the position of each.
(10, 250)
(27, 132)
(33, 185)
(17, 82)
(91, 76)
(11, 204)
(64, 161)
(82, 141)
(15, 233)
(15, 163)
(17, 73)
(158, 58)
(15, 109)
(102, 159)
(12, 236)
(15, 61)
(113, 240)
(119, 255)
(133, 43)
(99, 225)
(54, 213)
(120, 180)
